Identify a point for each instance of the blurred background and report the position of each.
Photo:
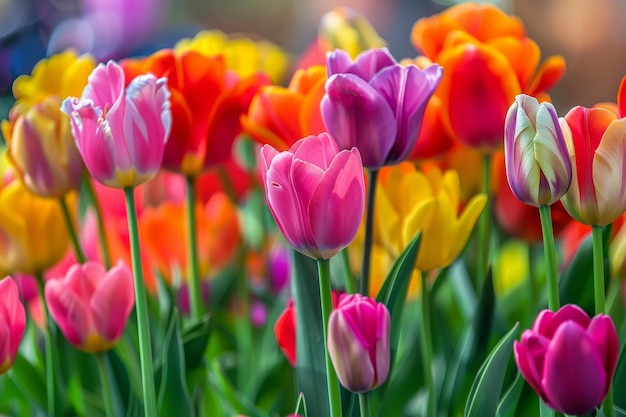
(591, 34)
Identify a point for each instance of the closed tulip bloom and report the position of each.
(538, 166)
(316, 194)
(595, 139)
(42, 149)
(91, 305)
(121, 132)
(358, 342)
(12, 322)
(376, 104)
(569, 359)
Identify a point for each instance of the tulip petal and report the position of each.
(602, 333)
(529, 355)
(365, 65)
(112, 302)
(621, 98)
(68, 311)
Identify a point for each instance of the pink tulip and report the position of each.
(358, 342)
(12, 322)
(569, 359)
(91, 305)
(121, 132)
(316, 194)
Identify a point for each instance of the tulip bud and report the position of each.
(358, 342)
(569, 359)
(91, 306)
(12, 322)
(538, 165)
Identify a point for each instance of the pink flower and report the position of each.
(12, 322)
(121, 133)
(91, 305)
(569, 359)
(358, 342)
(316, 194)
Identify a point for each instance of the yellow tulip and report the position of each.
(243, 55)
(410, 201)
(344, 28)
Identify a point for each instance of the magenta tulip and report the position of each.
(12, 322)
(316, 194)
(90, 305)
(358, 342)
(376, 104)
(121, 132)
(569, 359)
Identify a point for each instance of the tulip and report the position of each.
(12, 323)
(121, 132)
(358, 342)
(42, 149)
(376, 105)
(538, 166)
(316, 194)
(91, 305)
(569, 359)
(595, 139)
(344, 28)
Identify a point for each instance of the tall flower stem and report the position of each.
(427, 350)
(141, 306)
(102, 238)
(364, 404)
(550, 254)
(78, 251)
(484, 223)
(334, 395)
(369, 234)
(243, 327)
(106, 388)
(195, 294)
(49, 349)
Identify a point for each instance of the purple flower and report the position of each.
(376, 104)
(569, 359)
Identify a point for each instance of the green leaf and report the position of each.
(174, 398)
(28, 380)
(619, 379)
(229, 396)
(301, 406)
(485, 393)
(195, 341)
(508, 403)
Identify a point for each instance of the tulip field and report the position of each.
(220, 228)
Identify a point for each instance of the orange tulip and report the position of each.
(281, 116)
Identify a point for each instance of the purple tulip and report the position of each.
(316, 194)
(121, 132)
(376, 104)
(569, 359)
(358, 342)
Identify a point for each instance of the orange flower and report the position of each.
(487, 61)
(280, 116)
(207, 101)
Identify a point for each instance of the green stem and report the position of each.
(334, 395)
(102, 238)
(484, 224)
(369, 233)
(141, 307)
(104, 382)
(49, 349)
(364, 404)
(544, 410)
(427, 350)
(227, 184)
(598, 269)
(78, 251)
(347, 274)
(193, 274)
(550, 254)
(243, 329)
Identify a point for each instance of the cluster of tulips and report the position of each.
(134, 219)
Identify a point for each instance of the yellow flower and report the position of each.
(243, 55)
(62, 75)
(410, 201)
(344, 28)
(511, 266)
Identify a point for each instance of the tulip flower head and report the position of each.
(316, 194)
(358, 342)
(91, 305)
(569, 359)
(12, 322)
(121, 132)
(595, 139)
(538, 165)
(376, 104)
